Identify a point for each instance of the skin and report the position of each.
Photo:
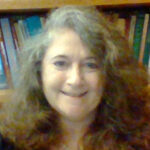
(72, 83)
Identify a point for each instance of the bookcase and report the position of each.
(34, 5)
(17, 6)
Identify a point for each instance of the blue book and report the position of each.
(10, 49)
(33, 25)
(3, 79)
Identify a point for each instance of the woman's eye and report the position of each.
(60, 64)
(91, 65)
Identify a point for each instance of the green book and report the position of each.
(138, 34)
(147, 46)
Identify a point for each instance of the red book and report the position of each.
(127, 27)
(14, 34)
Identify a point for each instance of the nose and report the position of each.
(75, 76)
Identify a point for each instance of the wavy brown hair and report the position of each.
(122, 121)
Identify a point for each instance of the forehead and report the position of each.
(67, 42)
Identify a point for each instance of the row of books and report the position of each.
(135, 28)
(14, 31)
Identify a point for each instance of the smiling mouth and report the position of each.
(73, 94)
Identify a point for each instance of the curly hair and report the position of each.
(122, 121)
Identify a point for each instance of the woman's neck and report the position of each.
(73, 130)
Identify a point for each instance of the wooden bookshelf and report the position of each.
(12, 6)
(28, 5)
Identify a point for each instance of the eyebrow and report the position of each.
(64, 56)
(60, 56)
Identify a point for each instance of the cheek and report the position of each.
(52, 79)
(52, 83)
(95, 82)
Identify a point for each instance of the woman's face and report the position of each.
(72, 80)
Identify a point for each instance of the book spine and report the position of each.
(147, 46)
(22, 27)
(127, 27)
(149, 65)
(145, 29)
(33, 25)
(19, 35)
(10, 48)
(132, 30)
(5, 60)
(121, 26)
(14, 34)
(138, 34)
(43, 20)
(3, 80)
(26, 29)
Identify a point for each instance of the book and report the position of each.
(5, 60)
(132, 30)
(149, 65)
(142, 47)
(117, 21)
(43, 20)
(147, 46)
(127, 27)
(10, 49)
(14, 34)
(22, 26)
(33, 25)
(121, 25)
(138, 34)
(3, 80)
(19, 35)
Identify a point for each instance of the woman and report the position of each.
(80, 88)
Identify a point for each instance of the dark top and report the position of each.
(5, 144)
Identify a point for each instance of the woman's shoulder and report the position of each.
(5, 144)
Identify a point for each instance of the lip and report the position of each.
(74, 94)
